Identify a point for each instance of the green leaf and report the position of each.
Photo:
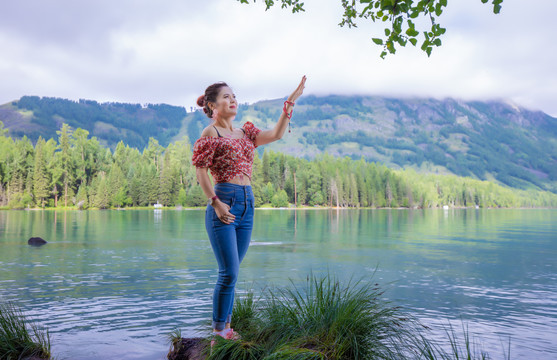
(414, 41)
(437, 42)
(397, 28)
(428, 51)
(387, 32)
(377, 41)
(420, 7)
(412, 32)
(385, 4)
(391, 47)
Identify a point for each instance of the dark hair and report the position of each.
(211, 94)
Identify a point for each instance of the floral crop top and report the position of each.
(226, 157)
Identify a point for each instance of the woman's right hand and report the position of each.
(223, 212)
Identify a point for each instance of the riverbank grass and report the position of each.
(20, 338)
(321, 319)
(325, 320)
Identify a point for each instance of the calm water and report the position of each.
(112, 284)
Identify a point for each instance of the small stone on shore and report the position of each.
(188, 349)
(36, 241)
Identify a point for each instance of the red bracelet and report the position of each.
(289, 116)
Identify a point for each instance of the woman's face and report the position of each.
(226, 104)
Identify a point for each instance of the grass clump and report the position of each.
(322, 319)
(465, 348)
(20, 338)
(237, 350)
(325, 320)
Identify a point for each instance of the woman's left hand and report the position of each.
(299, 90)
(267, 136)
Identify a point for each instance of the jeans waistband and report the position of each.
(232, 186)
(239, 190)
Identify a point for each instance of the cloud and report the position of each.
(151, 52)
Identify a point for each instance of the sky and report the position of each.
(169, 51)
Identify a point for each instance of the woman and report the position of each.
(228, 152)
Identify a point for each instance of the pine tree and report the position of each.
(268, 193)
(40, 179)
(102, 196)
(80, 154)
(117, 185)
(182, 198)
(266, 168)
(64, 137)
(81, 198)
(166, 185)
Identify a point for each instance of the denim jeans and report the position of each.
(230, 243)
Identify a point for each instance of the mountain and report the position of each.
(486, 140)
(33, 116)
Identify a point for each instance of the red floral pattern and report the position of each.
(226, 157)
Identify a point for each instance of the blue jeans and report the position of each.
(230, 243)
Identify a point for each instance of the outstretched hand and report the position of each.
(299, 90)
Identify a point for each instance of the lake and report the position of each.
(112, 284)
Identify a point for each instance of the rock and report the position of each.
(188, 349)
(36, 241)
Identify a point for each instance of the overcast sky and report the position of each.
(168, 51)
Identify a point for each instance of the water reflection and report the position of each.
(116, 282)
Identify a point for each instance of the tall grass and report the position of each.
(20, 338)
(322, 319)
(460, 349)
(325, 320)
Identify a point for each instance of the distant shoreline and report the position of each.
(280, 208)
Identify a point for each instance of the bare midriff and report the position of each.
(242, 179)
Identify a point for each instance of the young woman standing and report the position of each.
(228, 153)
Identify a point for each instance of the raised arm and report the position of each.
(274, 134)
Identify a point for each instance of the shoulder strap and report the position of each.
(217, 131)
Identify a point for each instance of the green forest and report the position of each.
(75, 171)
(491, 141)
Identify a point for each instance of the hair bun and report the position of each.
(201, 101)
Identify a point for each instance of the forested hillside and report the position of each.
(485, 140)
(492, 141)
(33, 116)
(74, 170)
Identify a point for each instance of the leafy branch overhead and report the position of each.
(400, 17)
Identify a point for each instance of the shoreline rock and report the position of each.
(188, 349)
(36, 241)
